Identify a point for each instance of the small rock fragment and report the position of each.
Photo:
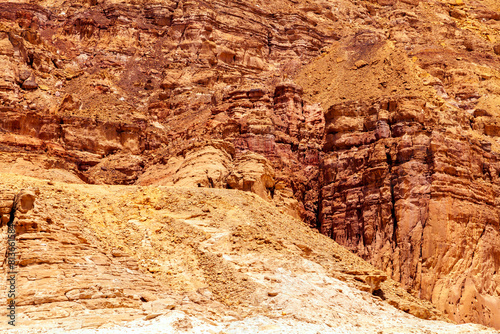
(118, 253)
(164, 96)
(148, 297)
(149, 85)
(457, 13)
(360, 63)
(469, 45)
(496, 49)
(25, 201)
(24, 75)
(30, 83)
(152, 316)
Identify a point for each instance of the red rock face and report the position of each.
(417, 202)
(282, 128)
(369, 121)
(408, 177)
(124, 79)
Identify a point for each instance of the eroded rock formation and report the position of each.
(62, 273)
(99, 255)
(408, 173)
(374, 121)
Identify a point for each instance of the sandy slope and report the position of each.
(224, 261)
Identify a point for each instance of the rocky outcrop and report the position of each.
(399, 196)
(407, 177)
(140, 252)
(285, 130)
(367, 120)
(7, 202)
(94, 103)
(61, 273)
(215, 164)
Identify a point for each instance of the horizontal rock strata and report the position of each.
(376, 122)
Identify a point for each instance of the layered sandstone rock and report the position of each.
(101, 96)
(401, 198)
(96, 256)
(374, 121)
(61, 273)
(408, 177)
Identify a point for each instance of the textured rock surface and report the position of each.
(375, 121)
(62, 273)
(409, 176)
(79, 95)
(95, 256)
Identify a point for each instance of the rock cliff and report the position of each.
(409, 167)
(375, 122)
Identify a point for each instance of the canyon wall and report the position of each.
(374, 121)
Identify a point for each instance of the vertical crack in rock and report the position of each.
(12, 215)
(394, 219)
(393, 203)
(10, 224)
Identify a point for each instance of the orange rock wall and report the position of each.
(374, 121)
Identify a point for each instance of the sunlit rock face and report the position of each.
(376, 122)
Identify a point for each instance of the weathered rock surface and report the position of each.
(96, 256)
(207, 74)
(409, 171)
(62, 273)
(375, 121)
